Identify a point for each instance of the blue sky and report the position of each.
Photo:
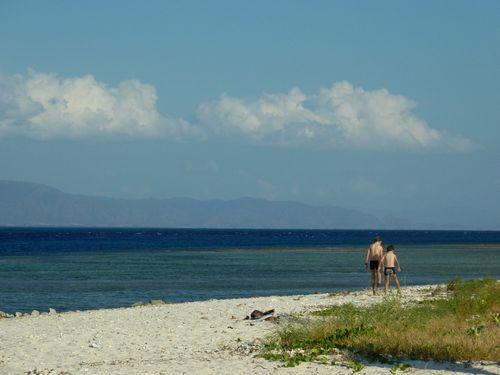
(388, 107)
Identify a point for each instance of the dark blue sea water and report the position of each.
(88, 268)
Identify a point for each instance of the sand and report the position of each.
(209, 337)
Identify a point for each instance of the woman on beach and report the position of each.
(373, 257)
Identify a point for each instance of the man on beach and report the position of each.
(373, 258)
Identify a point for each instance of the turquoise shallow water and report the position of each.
(64, 274)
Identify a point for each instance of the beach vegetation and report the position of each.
(399, 367)
(355, 366)
(463, 326)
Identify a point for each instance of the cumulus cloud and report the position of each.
(340, 115)
(45, 106)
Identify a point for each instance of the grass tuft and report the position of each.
(464, 326)
(399, 367)
(355, 366)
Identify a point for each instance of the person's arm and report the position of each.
(396, 261)
(380, 264)
(367, 257)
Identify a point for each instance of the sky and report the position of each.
(391, 108)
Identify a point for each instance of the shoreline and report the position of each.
(202, 337)
(153, 301)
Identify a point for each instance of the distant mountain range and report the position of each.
(29, 204)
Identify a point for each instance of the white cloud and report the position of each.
(340, 115)
(45, 106)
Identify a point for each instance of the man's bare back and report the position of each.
(375, 251)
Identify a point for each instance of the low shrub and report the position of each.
(465, 326)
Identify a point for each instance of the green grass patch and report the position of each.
(399, 367)
(464, 326)
(355, 366)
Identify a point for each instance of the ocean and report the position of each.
(90, 268)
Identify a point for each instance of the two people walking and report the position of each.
(376, 260)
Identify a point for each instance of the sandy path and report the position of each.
(188, 338)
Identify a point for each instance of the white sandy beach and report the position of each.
(208, 337)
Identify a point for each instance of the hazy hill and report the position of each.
(24, 203)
